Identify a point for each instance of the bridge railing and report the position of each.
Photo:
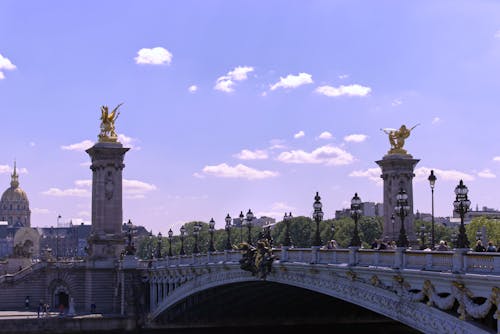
(456, 261)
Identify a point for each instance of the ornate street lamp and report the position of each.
(402, 209)
(158, 246)
(228, 231)
(211, 227)
(432, 182)
(478, 235)
(183, 231)
(422, 236)
(288, 240)
(170, 236)
(355, 214)
(242, 218)
(249, 219)
(461, 206)
(318, 216)
(150, 245)
(454, 239)
(196, 233)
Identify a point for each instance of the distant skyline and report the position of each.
(231, 105)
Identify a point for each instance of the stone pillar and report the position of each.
(106, 240)
(397, 173)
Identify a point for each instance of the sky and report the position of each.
(237, 105)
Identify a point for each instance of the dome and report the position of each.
(14, 195)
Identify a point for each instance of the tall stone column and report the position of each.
(106, 239)
(397, 173)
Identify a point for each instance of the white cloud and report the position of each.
(299, 134)
(7, 169)
(5, 64)
(32, 144)
(497, 34)
(40, 211)
(135, 187)
(422, 174)
(238, 171)
(293, 81)
(193, 88)
(487, 174)
(396, 102)
(373, 174)
(436, 120)
(81, 146)
(351, 90)
(83, 183)
(71, 192)
(497, 158)
(226, 82)
(198, 175)
(325, 135)
(128, 141)
(251, 155)
(356, 138)
(154, 56)
(328, 155)
(343, 76)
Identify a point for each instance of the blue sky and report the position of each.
(231, 105)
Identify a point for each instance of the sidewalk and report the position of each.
(4, 315)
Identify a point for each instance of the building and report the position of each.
(369, 209)
(14, 204)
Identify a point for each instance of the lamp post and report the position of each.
(228, 231)
(422, 236)
(183, 231)
(402, 209)
(242, 218)
(432, 182)
(332, 228)
(170, 236)
(318, 216)
(211, 227)
(196, 233)
(158, 246)
(288, 240)
(478, 235)
(461, 206)
(355, 214)
(150, 245)
(454, 239)
(249, 219)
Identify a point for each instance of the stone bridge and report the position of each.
(433, 292)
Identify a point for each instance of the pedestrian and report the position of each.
(479, 247)
(491, 247)
(40, 308)
(442, 246)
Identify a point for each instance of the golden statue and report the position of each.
(397, 139)
(108, 134)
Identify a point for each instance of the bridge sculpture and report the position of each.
(418, 288)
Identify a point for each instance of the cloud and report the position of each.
(343, 76)
(396, 102)
(226, 82)
(193, 88)
(356, 138)
(134, 189)
(372, 174)
(325, 135)
(71, 192)
(327, 155)
(81, 146)
(32, 144)
(497, 158)
(7, 169)
(238, 171)
(436, 120)
(128, 141)
(293, 81)
(277, 211)
(487, 174)
(83, 183)
(40, 211)
(5, 64)
(154, 56)
(299, 134)
(422, 173)
(351, 90)
(251, 155)
(497, 34)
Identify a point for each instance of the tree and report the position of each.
(492, 229)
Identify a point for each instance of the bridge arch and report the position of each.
(321, 279)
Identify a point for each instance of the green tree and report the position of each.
(492, 229)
